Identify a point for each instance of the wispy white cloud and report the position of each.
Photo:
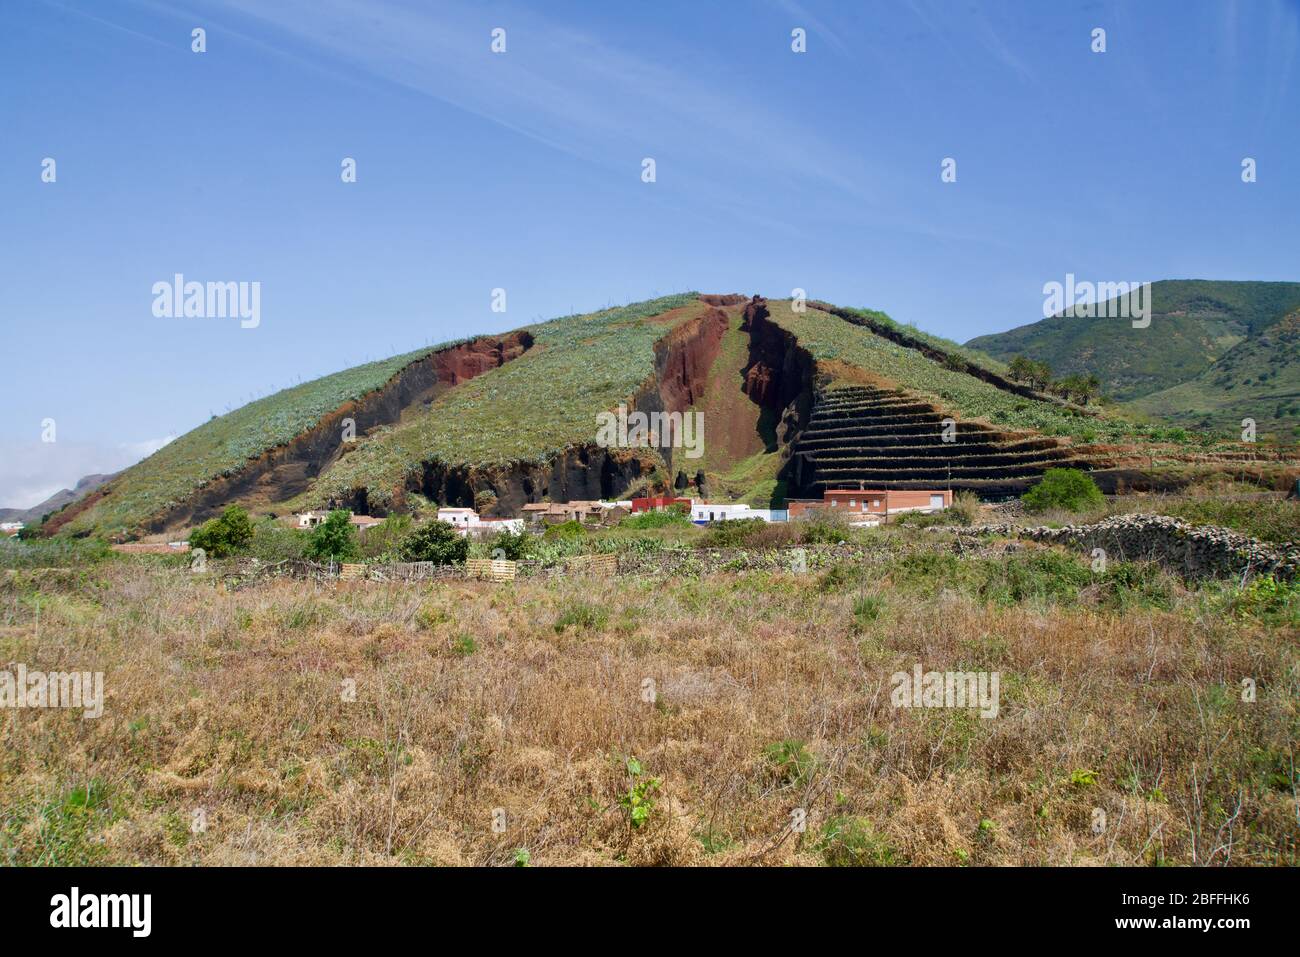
(568, 88)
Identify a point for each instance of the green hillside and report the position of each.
(527, 410)
(1257, 379)
(1194, 323)
(537, 408)
(835, 344)
(224, 444)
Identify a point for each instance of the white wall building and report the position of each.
(702, 513)
(466, 521)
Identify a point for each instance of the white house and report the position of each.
(466, 522)
(311, 519)
(460, 518)
(702, 513)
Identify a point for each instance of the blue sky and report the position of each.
(522, 171)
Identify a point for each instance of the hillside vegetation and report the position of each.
(1194, 324)
(851, 354)
(224, 444)
(1258, 379)
(514, 417)
(528, 410)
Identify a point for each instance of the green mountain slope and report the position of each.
(1194, 323)
(511, 418)
(1257, 379)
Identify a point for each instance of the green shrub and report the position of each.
(1067, 489)
(866, 608)
(733, 533)
(582, 616)
(677, 515)
(435, 542)
(565, 532)
(384, 540)
(334, 539)
(273, 542)
(791, 762)
(511, 545)
(53, 552)
(852, 842)
(226, 535)
(825, 528)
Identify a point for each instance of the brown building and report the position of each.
(883, 502)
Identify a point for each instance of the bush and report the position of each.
(511, 545)
(334, 539)
(435, 542)
(852, 842)
(221, 537)
(1067, 489)
(272, 542)
(565, 532)
(825, 528)
(676, 515)
(385, 539)
(53, 552)
(581, 616)
(732, 533)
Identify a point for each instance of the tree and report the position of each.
(511, 545)
(681, 481)
(226, 535)
(1040, 375)
(1021, 368)
(1067, 489)
(334, 539)
(435, 542)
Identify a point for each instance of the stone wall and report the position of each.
(1194, 551)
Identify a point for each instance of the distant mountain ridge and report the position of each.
(56, 501)
(1229, 338)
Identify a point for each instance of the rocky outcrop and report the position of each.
(581, 473)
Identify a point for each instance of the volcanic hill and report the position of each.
(796, 397)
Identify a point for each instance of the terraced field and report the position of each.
(841, 348)
(887, 438)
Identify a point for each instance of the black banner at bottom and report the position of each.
(333, 906)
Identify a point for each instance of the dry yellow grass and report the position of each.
(473, 697)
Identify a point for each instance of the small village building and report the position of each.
(460, 518)
(702, 513)
(311, 519)
(874, 502)
(363, 522)
(658, 503)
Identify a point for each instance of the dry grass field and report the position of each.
(480, 724)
